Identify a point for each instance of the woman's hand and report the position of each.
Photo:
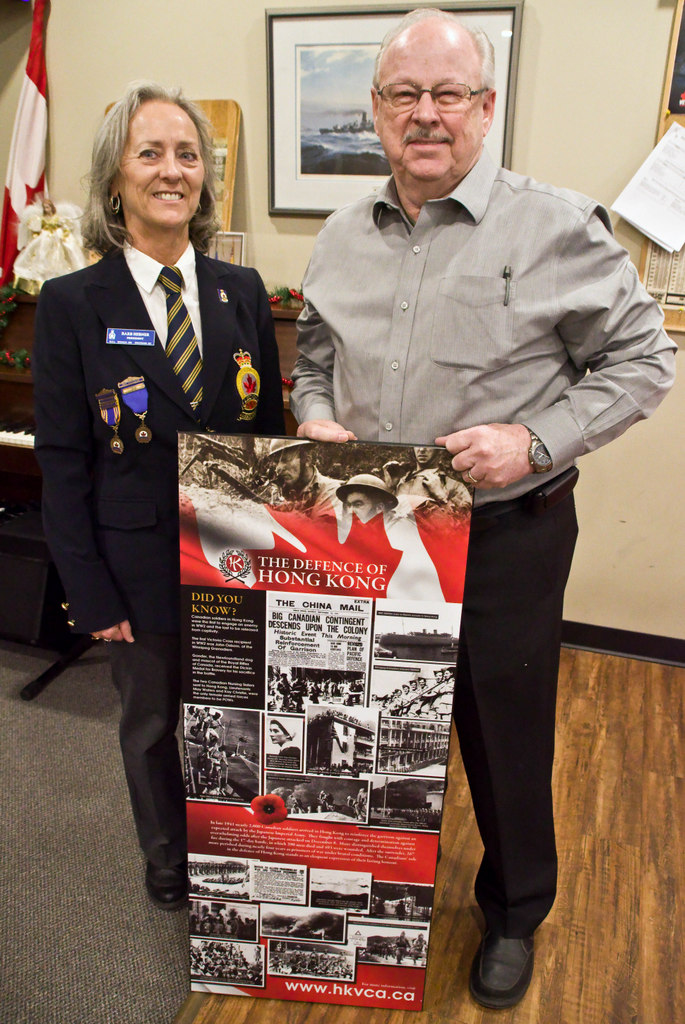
(122, 631)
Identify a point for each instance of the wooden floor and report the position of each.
(611, 951)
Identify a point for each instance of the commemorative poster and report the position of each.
(321, 594)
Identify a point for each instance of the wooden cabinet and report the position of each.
(19, 472)
(286, 337)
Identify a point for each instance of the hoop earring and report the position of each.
(115, 204)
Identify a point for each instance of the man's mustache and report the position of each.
(426, 135)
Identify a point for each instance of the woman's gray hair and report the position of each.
(483, 45)
(102, 228)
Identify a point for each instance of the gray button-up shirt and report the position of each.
(509, 301)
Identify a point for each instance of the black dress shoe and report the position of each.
(167, 887)
(501, 970)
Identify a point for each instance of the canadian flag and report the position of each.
(26, 168)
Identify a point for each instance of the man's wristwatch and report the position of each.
(538, 456)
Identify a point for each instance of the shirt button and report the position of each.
(416, 249)
(394, 364)
(404, 305)
(388, 426)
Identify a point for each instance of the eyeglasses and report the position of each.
(447, 97)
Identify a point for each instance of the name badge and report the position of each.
(129, 336)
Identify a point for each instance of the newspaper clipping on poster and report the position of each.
(321, 593)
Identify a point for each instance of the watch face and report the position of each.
(541, 457)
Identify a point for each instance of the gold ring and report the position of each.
(471, 477)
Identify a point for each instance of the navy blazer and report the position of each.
(111, 520)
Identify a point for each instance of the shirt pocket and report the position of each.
(472, 327)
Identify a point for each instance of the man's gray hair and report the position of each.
(480, 40)
(103, 229)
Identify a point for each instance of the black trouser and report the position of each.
(505, 702)
(147, 675)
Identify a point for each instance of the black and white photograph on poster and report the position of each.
(278, 883)
(408, 746)
(401, 901)
(322, 799)
(226, 878)
(291, 688)
(235, 963)
(283, 921)
(340, 740)
(423, 477)
(327, 632)
(411, 631)
(226, 473)
(235, 476)
(288, 958)
(224, 920)
(410, 690)
(379, 942)
(222, 754)
(414, 803)
(346, 890)
(284, 742)
(223, 649)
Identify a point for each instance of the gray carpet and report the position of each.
(80, 943)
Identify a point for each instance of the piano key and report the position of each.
(19, 436)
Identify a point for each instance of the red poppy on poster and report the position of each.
(321, 603)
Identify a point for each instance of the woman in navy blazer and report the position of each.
(108, 409)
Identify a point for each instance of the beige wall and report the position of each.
(590, 81)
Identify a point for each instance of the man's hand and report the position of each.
(120, 632)
(324, 430)
(490, 456)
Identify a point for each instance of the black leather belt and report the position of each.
(535, 502)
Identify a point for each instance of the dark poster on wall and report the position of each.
(321, 602)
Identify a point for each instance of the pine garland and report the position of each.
(7, 305)
(20, 359)
(288, 298)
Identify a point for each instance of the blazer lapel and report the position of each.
(116, 300)
(218, 306)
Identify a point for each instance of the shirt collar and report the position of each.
(472, 192)
(145, 270)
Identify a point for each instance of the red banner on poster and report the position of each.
(321, 591)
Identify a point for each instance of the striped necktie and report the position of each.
(181, 347)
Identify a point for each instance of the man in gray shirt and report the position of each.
(471, 307)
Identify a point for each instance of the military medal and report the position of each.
(110, 410)
(134, 394)
(247, 383)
